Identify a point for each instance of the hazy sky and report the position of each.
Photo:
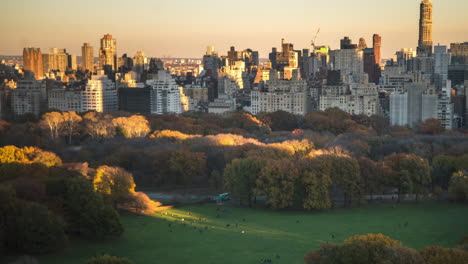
(183, 28)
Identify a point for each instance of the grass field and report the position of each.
(282, 236)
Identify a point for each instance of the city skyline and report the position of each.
(162, 30)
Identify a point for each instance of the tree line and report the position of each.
(45, 202)
(378, 248)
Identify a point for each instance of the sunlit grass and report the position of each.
(222, 234)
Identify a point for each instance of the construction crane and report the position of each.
(315, 37)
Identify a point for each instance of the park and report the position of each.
(213, 233)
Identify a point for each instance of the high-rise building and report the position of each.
(377, 45)
(425, 29)
(139, 62)
(87, 55)
(72, 62)
(32, 60)
(459, 53)
(288, 57)
(441, 64)
(413, 103)
(99, 94)
(55, 60)
(166, 95)
(108, 54)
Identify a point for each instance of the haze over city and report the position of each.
(183, 28)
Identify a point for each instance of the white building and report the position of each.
(99, 94)
(166, 95)
(445, 107)
(287, 95)
(355, 99)
(29, 97)
(414, 103)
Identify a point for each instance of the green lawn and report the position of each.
(283, 236)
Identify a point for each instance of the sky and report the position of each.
(183, 28)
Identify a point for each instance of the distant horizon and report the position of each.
(183, 28)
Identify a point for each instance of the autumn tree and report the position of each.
(132, 127)
(187, 167)
(431, 126)
(98, 125)
(70, 124)
(115, 184)
(108, 259)
(52, 123)
(372, 174)
(365, 249)
(240, 178)
(439, 255)
(280, 120)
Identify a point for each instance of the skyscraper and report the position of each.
(108, 54)
(377, 44)
(32, 60)
(87, 54)
(425, 29)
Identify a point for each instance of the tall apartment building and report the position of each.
(287, 95)
(29, 97)
(32, 60)
(55, 60)
(413, 103)
(166, 95)
(445, 107)
(108, 54)
(425, 29)
(441, 64)
(99, 94)
(87, 56)
(139, 63)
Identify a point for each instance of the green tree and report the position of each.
(85, 211)
(35, 230)
(408, 173)
(240, 178)
(458, 188)
(345, 174)
(277, 181)
(315, 181)
(443, 167)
